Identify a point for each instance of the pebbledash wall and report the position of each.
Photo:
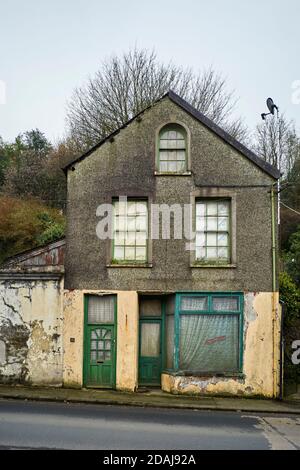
(125, 165)
(260, 356)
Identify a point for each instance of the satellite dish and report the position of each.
(271, 106)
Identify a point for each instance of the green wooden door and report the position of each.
(150, 356)
(100, 342)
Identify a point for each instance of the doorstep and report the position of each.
(152, 398)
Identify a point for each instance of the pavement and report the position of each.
(154, 398)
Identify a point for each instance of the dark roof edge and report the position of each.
(258, 161)
(23, 255)
(270, 169)
(108, 137)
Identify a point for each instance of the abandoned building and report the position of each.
(195, 316)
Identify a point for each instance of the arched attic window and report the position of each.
(172, 155)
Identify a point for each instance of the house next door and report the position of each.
(100, 341)
(150, 333)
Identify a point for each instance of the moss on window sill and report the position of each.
(128, 265)
(164, 173)
(213, 265)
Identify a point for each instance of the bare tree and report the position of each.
(276, 141)
(124, 86)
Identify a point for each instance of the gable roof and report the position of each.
(208, 123)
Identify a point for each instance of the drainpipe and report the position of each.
(274, 291)
(281, 390)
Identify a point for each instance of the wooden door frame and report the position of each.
(86, 342)
(152, 319)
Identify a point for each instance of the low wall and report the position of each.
(31, 320)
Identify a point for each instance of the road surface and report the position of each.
(35, 425)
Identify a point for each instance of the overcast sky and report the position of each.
(48, 47)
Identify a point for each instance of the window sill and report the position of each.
(215, 266)
(187, 373)
(186, 173)
(132, 265)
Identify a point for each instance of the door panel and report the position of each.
(100, 360)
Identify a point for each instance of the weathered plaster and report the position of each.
(30, 329)
(127, 338)
(258, 378)
(258, 358)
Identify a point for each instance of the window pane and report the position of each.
(223, 223)
(226, 304)
(150, 307)
(212, 223)
(223, 208)
(119, 253)
(223, 253)
(172, 167)
(120, 238)
(141, 253)
(131, 207)
(163, 166)
(212, 208)
(200, 223)
(180, 156)
(200, 209)
(164, 144)
(211, 239)
(101, 309)
(172, 149)
(180, 166)
(194, 303)
(212, 230)
(130, 238)
(129, 253)
(141, 222)
(120, 222)
(141, 208)
(150, 339)
(200, 253)
(141, 238)
(130, 231)
(200, 239)
(223, 239)
(131, 223)
(211, 253)
(180, 144)
(209, 343)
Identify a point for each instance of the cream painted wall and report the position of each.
(261, 352)
(127, 338)
(127, 341)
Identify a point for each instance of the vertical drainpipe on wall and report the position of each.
(274, 293)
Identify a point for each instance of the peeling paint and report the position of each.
(30, 330)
